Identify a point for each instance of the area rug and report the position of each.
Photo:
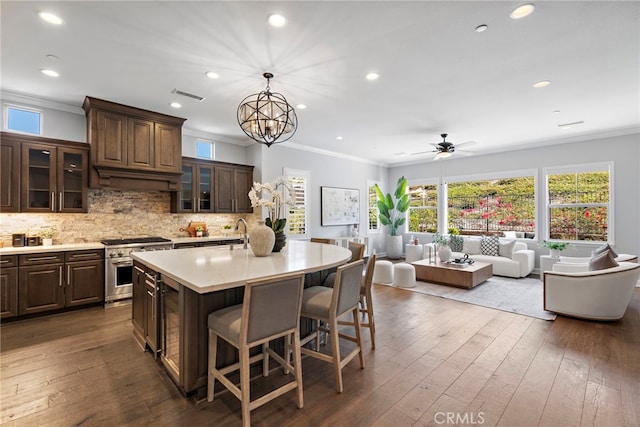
(521, 296)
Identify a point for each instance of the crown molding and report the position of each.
(39, 102)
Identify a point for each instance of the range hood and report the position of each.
(132, 148)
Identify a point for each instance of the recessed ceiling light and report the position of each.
(541, 83)
(212, 75)
(276, 20)
(301, 106)
(522, 11)
(52, 56)
(556, 111)
(339, 138)
(176, 105)
(481, 28)
(50, 73)
(50, 18)
(373, 76)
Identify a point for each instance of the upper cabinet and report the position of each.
(9, 175)
(132, 148)
(53, 178)
(213, 187)
(233, 183)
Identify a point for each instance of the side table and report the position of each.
(413, 252)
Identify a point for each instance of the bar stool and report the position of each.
(270, 310)
(357, 252)
(366, 302)
(321, 303)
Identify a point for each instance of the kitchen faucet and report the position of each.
(241, 220)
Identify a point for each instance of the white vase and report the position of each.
(444, 253)
(47, 242)
(262, 239)
(394, 247)
(554, 253)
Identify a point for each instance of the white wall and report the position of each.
(324, 170)
(623, 151)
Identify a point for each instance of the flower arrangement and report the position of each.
(275, 196)
(559, 246)
(440, 240)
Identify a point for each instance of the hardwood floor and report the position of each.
(437, 362)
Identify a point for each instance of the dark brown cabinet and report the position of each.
(8, 286)
(9, 175)
(55, 280)
(233, 183)
(41, 283)
(145, 308)
(84, 277)
(196, 188)
(53, 178)
(133, 148)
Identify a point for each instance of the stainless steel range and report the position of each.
(119, 265)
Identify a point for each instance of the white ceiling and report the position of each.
(437, 74)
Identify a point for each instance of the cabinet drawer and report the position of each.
(8, 261)
(42, 258)
(89, 255)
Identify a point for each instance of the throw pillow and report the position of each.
(471, 246)
(506, 248)
(489, 245)
(602, 261)
(603, 248)
(529, 235)
(456, 243)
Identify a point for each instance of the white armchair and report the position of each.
(570, 264)
(597, 295)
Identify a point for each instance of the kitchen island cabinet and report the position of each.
(195, 282)
(8, 286)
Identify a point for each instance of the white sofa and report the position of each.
(520, 264)
(597, 295)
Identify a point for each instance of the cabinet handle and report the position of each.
(195, 208)
(4, 261)
(60, 200)
(68, 275)
(43, 258)
(60, 276)
(53, 201)
(138, 268)
(153, 304)
(198, 204)
(84, 255)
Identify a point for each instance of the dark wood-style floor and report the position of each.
(435, 358)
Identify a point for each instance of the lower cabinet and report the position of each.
(56, 280)
(145, 312)
(8, 286)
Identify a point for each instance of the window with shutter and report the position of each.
(297, 215)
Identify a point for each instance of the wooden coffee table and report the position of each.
(452, 275)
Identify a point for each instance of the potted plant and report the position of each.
(392, 211)
(226, 229)
(199, 230)
(555, 247)
(47, 236)
(275, 196)
(442, 246)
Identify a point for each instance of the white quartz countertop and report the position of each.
(53, 248)
(204, 239)
(211, 269)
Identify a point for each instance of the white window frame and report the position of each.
(371, 183)
(213, 148)
(578, 168)
(485, 177)
(297, 173)
(22, 108)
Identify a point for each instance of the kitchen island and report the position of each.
(174, 292)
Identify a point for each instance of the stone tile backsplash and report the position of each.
(115, 214)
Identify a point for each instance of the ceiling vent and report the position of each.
(188, 95)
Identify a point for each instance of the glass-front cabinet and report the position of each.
(196, 188)
(54, 179)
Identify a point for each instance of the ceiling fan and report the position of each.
(446, 149)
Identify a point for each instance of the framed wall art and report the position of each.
(340, 206)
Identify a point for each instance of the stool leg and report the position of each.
(335, 350)
(297, 358)
(244, 387)
(356, 321)
(213, 349)
(372, 323)
(265, 360)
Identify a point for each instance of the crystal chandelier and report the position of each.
(267, 116)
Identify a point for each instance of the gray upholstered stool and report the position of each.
(404, 275)
(383, 272)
